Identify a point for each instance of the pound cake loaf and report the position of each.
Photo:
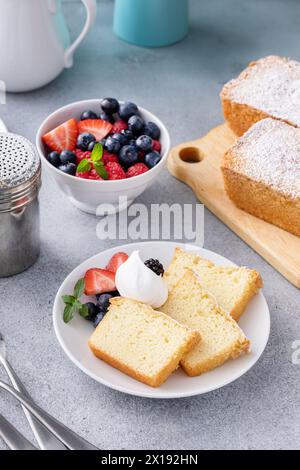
(145, 344)
(221, 337)
(233, 287)
(262, 173)
(269, 87)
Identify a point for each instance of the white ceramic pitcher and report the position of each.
(35, 43)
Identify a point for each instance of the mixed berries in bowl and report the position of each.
(103, 147)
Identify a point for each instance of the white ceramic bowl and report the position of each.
(88, 195)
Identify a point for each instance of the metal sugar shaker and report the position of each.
(20, 181)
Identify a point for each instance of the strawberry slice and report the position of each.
(63, 137)
(98, 281)
(98, 127)
(116, 261)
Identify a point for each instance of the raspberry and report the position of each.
(84, 174)
(119, 126)
(80, 155)
(93, 175)
(156, 145)
(137, 169)
(109, 157)
(115, 171)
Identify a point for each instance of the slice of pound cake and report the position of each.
(262, 173)
(221, 337)
(232, 286)
(145, 344)
(269, 87)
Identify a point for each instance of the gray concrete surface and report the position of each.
(180, 84)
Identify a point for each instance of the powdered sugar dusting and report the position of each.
(270, 153)
(271, 85)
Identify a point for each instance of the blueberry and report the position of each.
(121, 138)
(127, 133)
(152, 159)
(88, 115)
(128, 155)
(67, 156)
(110, 105)
(84, 140)
(136, 124)
(98, 319)
(93, 310)
(112, 145)
(144, 143)
(115, 293)
(103, 301)
(106, 117)
(127, 110)
(91, 145)
(152, 130)
(54, 159)
(69, 168)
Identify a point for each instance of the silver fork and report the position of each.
(45, 439)
(12, 437)
(71, 440)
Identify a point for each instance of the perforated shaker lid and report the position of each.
(19, 161)
(20, 172)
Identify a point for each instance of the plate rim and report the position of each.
(146, 393)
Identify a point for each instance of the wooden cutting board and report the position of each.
(197, 164)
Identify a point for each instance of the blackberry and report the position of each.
(155, 266)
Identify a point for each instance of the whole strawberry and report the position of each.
(115, 171)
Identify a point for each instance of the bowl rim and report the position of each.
(123, 181)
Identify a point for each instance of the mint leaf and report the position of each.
(100, 169)
(83, 311)
(68, 313)
(79, 288)
(97, 152)
(68, 299)
(83, 166)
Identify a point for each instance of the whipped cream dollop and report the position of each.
(135, 281)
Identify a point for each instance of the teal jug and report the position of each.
(151, 23)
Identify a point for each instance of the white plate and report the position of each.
(73, 337)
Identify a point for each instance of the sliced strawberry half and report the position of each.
(98, 127)
(63, 137)
(116, 261)
(98, 281)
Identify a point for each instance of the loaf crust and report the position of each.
(218, 280)
(266, 88)
(222, 339)
(269, 193)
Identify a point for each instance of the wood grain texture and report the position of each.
(197, 164)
